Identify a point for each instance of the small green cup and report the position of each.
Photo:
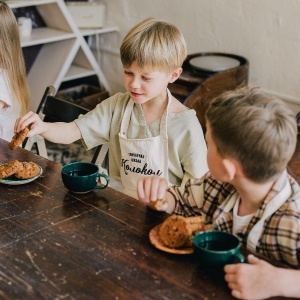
(215, 249)
(82, 177)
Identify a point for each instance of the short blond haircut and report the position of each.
(254, 128)
(154, 43)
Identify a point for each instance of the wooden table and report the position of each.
(58, 245)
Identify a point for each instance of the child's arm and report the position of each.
(259, 280)
(152, 188)
(180, 200)
(63, 133)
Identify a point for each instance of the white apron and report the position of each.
(143, 157)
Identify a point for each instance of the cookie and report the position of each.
(18, 138)
(158, 204)
(27, 170)
(173, 232)
(177, 231)
(10, 168)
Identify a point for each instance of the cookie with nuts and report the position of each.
(177, 231)
(159, 204)
(27, 170)
(10, 168)
(18, 139)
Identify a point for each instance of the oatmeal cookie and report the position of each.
(27, 170)
(158, 204)
(10, 168)
(177, 231)
(18, 138)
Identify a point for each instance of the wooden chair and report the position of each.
(37, 140)
(54, 109)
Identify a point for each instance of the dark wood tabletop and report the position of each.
(59, 245)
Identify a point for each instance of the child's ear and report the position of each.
(230, 168)
(175, 74)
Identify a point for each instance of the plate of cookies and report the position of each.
(175, 234)
(15, 172)
(157, 242)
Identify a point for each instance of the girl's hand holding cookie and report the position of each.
(32, 121)
(18, 139)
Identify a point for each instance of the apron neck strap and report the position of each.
(163, 121)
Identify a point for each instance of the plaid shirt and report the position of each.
(280, 236)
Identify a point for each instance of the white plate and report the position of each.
(214, 63)
(15, 181)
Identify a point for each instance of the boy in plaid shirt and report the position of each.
(251, 137)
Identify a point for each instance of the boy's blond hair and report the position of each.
(254, 128)
(11, 58)
(154, 43)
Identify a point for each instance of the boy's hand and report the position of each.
(254, 280)
(33, 121)
(151, 189)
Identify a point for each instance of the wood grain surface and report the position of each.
(58, 245)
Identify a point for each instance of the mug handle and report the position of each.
(102, 186)
(239, 258)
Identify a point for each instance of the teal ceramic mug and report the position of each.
(215, 249)
(83, 177)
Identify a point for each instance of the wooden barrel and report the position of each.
(215, 83)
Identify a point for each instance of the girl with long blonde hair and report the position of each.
(14, 90)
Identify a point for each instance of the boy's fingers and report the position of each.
(252, 259)
(144, 189)
(230, 268)
(236, 294)
(154, 189)
(161, 192)
(140, 189)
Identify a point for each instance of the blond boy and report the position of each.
(148, 130)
